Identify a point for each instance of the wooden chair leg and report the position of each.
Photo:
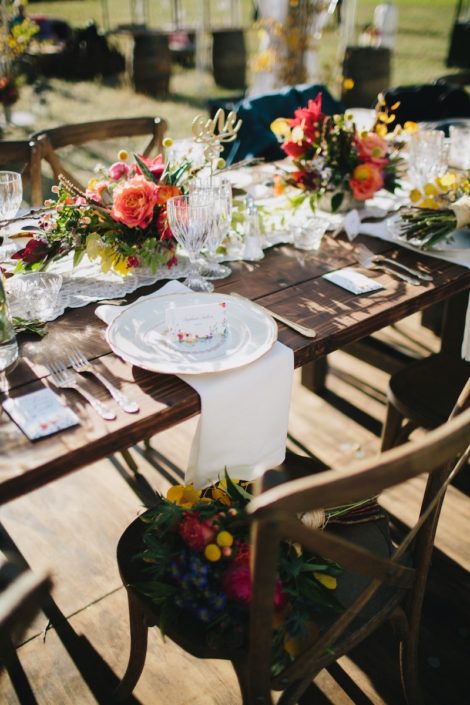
(391, 427)
(138, 649)
(147, 444)
(129, 460)
(409, 667)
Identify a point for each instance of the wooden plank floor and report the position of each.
(71, 528)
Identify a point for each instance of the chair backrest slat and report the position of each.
(273, 514)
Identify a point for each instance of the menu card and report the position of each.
(40, 413)
(190, 325)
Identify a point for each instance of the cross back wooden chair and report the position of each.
(19, 155)
(50, 142)
(379, 582)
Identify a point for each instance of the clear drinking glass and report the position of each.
(190, 220)
(8, 344)
(219, 192)
(427, 156)
(11, 194)
(459, 150)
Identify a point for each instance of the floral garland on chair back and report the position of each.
(332, 159)
(120, 218)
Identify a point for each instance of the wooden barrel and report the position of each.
(149, 63)
(369, 68)
(229, 58)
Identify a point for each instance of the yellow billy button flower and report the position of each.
(212, 552)
(167, 142)
(123, 155)
(430, 190)
(348, 84)
(327, 581)
(415, 195)
(224, 538)
(220, 163)
(411, 127)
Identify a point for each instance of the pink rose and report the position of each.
(196, 533)
(372, 148)
(98, 191)
(118, 170)
(134, 202)
(366, 180)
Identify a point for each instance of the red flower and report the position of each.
(34, 251)
(308, 180)
(196, 533)
(155, 166)
(295, 150)
(133, 261)
(309, 118)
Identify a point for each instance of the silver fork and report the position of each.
(303, 330)
(81, 364)
(367, 261)
(65, 379)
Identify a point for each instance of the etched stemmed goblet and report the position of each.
(190, 220)
(11, 194)
(219, 192)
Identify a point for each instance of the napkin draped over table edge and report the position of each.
(244, 416)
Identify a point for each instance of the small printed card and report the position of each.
(40, 413)
(352, 280)
(195, 324)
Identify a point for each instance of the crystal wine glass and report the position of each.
(427, 156)
(219, 192)
(190, 220)
(11, 194)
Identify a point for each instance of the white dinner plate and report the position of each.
(139, 335)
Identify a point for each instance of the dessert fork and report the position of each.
(303, 330)
(65, 379)
(81, 364)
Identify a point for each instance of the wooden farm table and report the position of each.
(287, 280)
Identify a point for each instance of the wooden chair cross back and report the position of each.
(17, 155)
(274, 516)
(49, 142)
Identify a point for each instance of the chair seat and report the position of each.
(426, 391)
(189, 633)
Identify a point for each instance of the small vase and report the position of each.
(347, 204)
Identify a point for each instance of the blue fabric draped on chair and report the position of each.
(255, 138)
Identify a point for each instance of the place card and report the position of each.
(353, 281)
(191, 325)
(40, 413)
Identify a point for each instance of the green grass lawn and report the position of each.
(421, 48)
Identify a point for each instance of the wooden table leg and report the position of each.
(314, 375)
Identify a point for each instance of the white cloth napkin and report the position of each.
(383, 232)
(244, 412)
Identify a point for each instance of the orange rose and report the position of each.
(164, 192)
(366, 180)
(134, 202)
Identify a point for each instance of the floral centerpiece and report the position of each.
(332, 159)
(120, 218)
(195, 566)
(16, 33)
(441, 207)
